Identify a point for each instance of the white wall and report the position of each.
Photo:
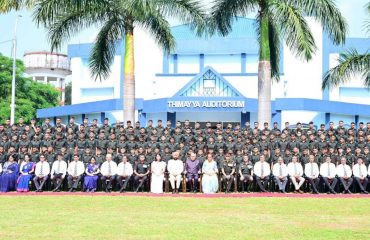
(188, 64)
(148, 62)
(304, 78)
(245, 85)
(81, 78)
(224, 63)
(163, 87)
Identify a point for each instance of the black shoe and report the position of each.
(177, 191)
(364, 192)
(58, 190)
(173, 191)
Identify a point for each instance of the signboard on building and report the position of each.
(206, 104)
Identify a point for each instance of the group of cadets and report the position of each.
(333, 159)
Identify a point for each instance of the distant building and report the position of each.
(48, 68)
(215, 80)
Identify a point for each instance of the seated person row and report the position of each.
(328, 171)
(110, 172)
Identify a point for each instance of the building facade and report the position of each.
(215, 80)
(48, 68)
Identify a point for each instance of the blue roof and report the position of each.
(89, 107)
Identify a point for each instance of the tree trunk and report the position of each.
(264, 73)
(264, 93)
(129, 79)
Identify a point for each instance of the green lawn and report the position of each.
(114, 217)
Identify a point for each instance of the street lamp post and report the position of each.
(12, 105)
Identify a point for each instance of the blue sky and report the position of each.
(32, 38)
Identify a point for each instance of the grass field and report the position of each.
(114, 217)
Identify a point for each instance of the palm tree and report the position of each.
(279, 20)
(117, 19)
(349, 64)
(8, 5)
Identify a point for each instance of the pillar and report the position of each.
(171, 116)
(327, 119)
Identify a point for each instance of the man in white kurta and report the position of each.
(295, 172)
(175, 168)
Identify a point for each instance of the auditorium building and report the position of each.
(215, 80)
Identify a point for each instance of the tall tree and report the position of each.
(279, 20)
(350, 63)
(8, 5)
(30, 95)
(68, 94)
(117, 19)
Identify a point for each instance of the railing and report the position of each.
(47, 60)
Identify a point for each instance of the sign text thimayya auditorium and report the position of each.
(206, 104)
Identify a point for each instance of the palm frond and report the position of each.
(103, 52)
(350, 63)
(66, 26)
(46, 12)
(326, 12)
(187, 11)
(224, 13)
(9, 5)
(293, 28)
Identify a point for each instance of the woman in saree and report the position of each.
(91, 178)
(10, 174)
(26, 172)
(209, 179)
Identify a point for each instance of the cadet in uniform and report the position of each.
(228, 170)
(246, 173)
